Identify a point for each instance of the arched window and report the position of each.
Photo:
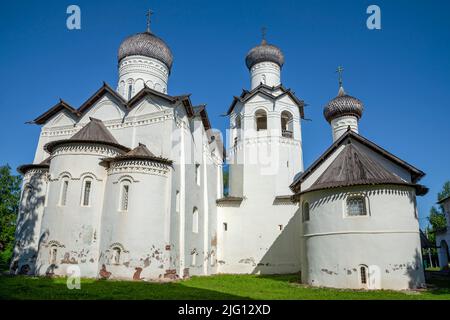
(195, 220)
(124, 195)
(363, 275)
(356, 206)
(193, 258)
(261, 120)
(197, 173)
(53, 255)
(130, 91)
(305, 212)
(287, 124)
(115, 257)
(86, 192)
(238, 122)
(64, 190)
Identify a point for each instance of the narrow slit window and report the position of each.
(197, 173)
(130, 91)
(64, 188)
(124, 197)
(87, 193)
(225, 226)
(177, 199)
(305, 215)
(195, 220)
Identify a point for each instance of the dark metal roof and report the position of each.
(42, 165)
(443, 200)
(104, 89)
(148, 45)
(265, 90)
(354, 167)
(141, 152)
(61, 105)
(94, 132)
(343, 105)
(128, 105)
(264, 52)
(416, 174)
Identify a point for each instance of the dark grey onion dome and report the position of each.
(264, 52)
(343, 105)
(148, 45)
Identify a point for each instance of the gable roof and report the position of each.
(416, 174)
(61, 105)
(104, 89)
(200, 111)
(263, 89)
(128, 105)
(94, 131)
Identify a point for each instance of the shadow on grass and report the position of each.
(21, 287)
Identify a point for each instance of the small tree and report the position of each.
(437, 218)
(9, 207)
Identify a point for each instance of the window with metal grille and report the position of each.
(124, 197)
(356, 206)
(363, 271)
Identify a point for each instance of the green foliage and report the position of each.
(9, 206)
(226, 179)
(437, 219)
(223, 287)
(445, 192)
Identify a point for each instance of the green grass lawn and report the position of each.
(213, 287)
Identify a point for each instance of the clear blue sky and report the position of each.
(401, 73)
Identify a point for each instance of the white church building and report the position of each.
(129, 185)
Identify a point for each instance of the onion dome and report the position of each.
(148, 45)
(264, 52)
(343, 105)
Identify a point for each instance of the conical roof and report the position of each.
(353, 166)
(95, 132)
(141, 152)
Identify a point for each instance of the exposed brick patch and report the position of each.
(171, 274)
(137, 274)
(104, 274)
